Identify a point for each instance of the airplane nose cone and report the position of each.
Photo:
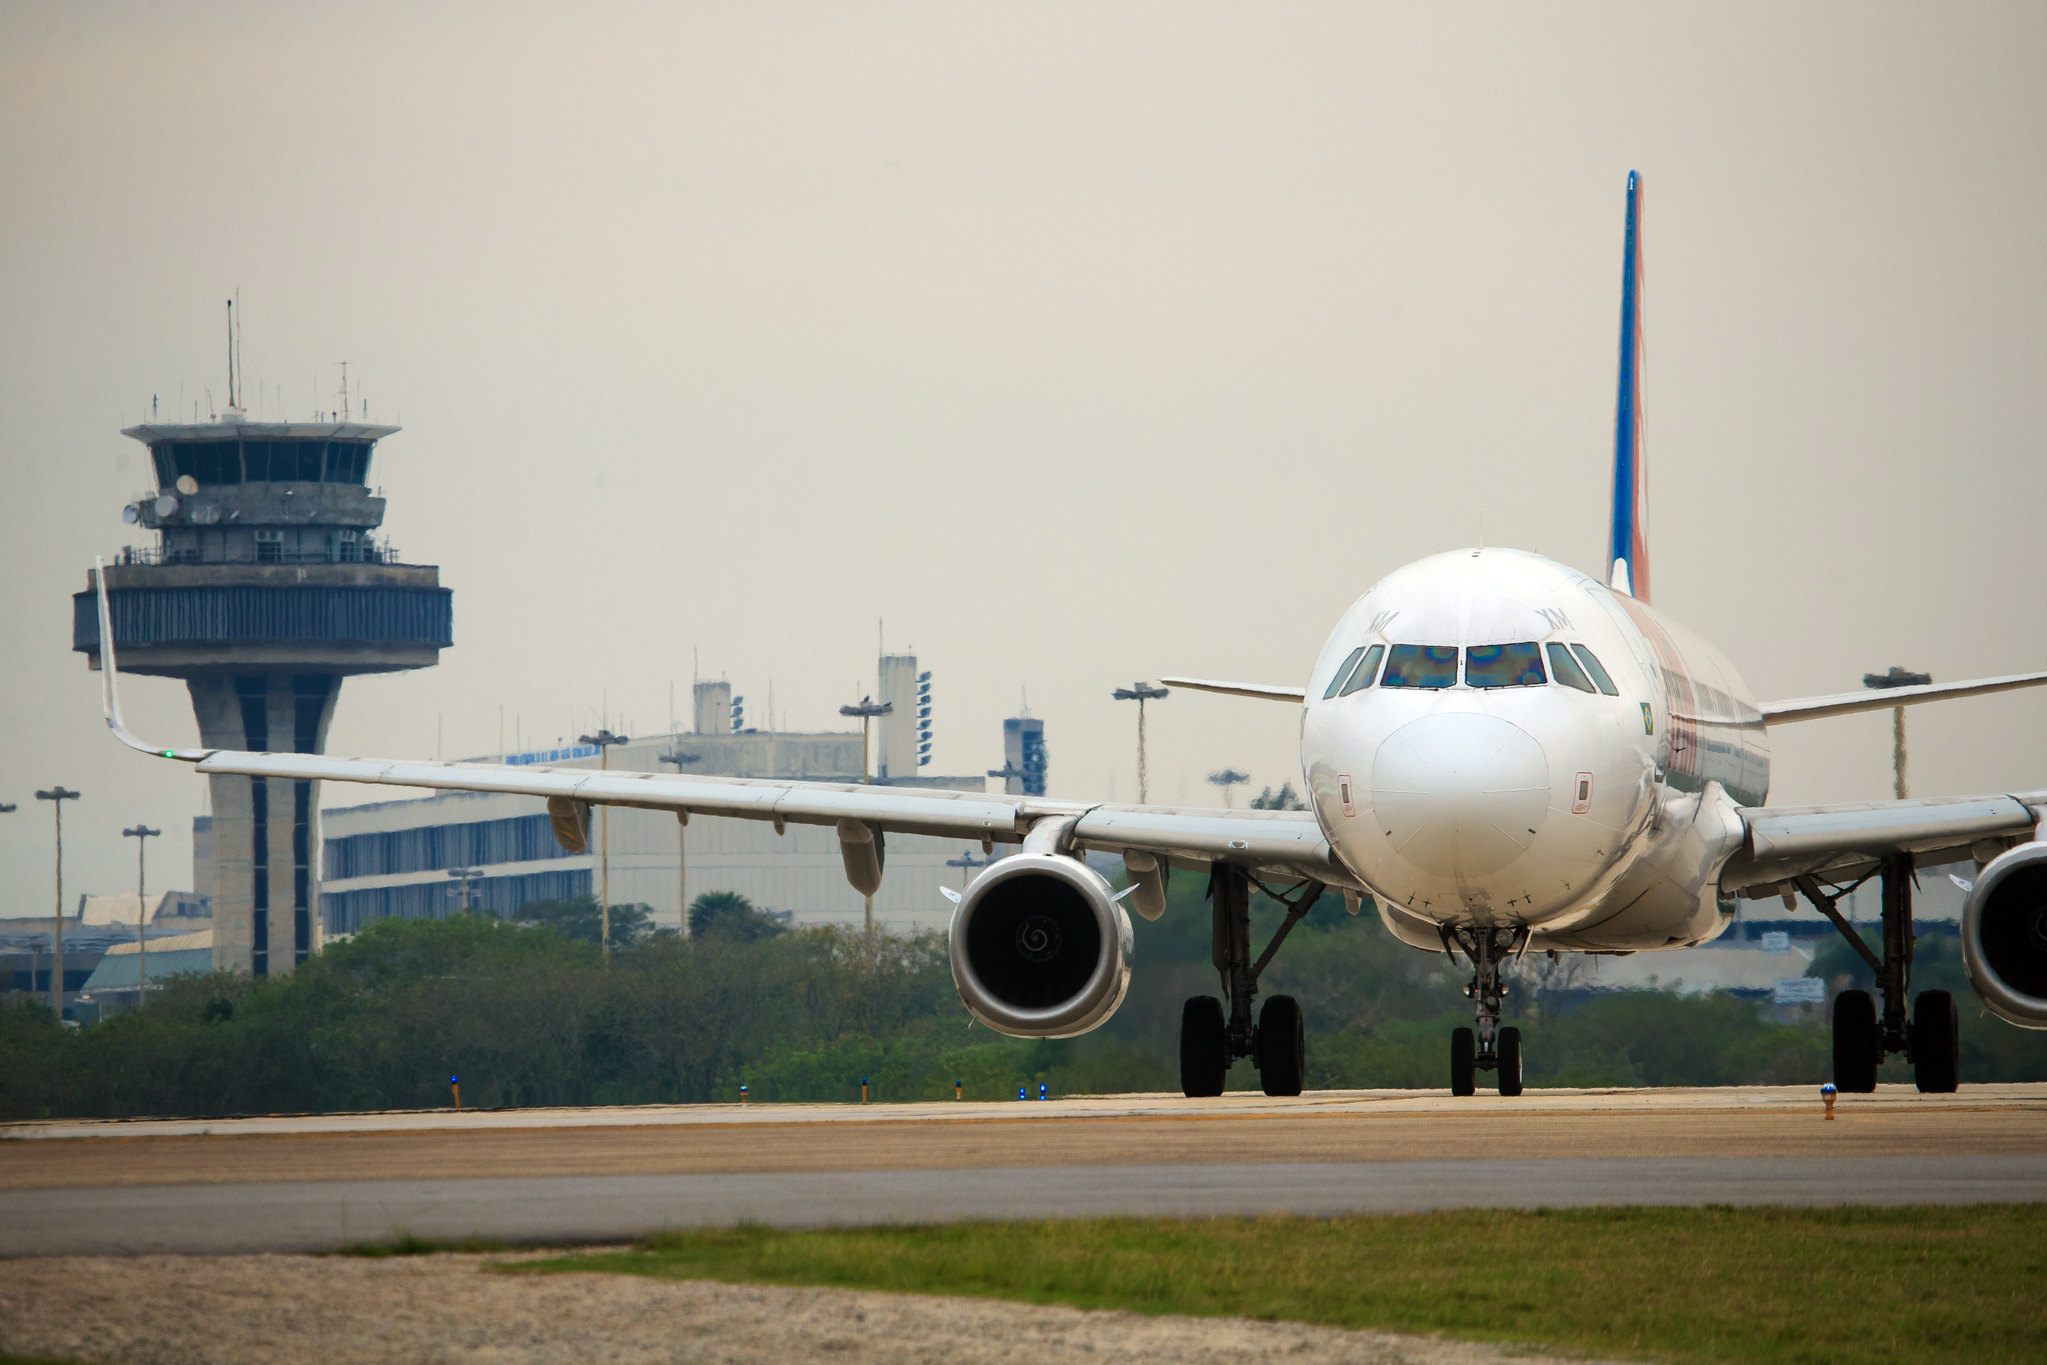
(1460, 795)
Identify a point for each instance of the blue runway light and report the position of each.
(1021, 1092)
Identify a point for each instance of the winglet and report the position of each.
(110, 691)
(1628, 547)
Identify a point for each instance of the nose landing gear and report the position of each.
(1490, 1047)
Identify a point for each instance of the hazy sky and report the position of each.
(1084, 343)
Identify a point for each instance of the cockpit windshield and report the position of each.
(1516, 665)
(1599, 675)
(1420, 666)
(1566, 670)
(1362, 675)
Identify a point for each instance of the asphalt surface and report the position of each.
(311, 1216)
(304, 1183)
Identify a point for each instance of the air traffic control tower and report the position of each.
(267, 587)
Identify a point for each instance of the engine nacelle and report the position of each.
(1040, 947)
(2004, 935)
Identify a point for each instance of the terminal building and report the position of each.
(429, 856)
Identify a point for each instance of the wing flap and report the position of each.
(1849, 703)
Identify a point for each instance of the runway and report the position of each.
(317, 1182)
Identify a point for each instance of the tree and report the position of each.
(727, 914)
(581, 918)
(1283, 799)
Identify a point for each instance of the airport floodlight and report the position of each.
(966, 863)
(1141, 693)
(57, 796)
(6, 807)
(604, 740)
(1883, 682)
(867, 708)
(681, 759)
(466, 879)
(141, 834)
(1228, 779)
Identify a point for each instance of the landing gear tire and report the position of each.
(1282, 1046)
(1936, 1043)
(1858, 1044)
(1204, 1047)
(1463, 1062)
(1510, 1061)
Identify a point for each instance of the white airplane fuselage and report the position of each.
(1487, 776)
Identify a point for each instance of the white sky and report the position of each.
(1082, 342)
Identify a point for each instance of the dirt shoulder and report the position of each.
(455, 1308)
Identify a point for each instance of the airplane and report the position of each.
(1504, 754)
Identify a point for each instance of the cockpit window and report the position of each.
(1599, 675)
(1421, 666)
(1343, 671)
(1517, 665)
(1565, 669)
(1362, 675)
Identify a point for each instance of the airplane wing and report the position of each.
(1280, 843)
(1259, 691)
(1782, 842)
(1848, 703)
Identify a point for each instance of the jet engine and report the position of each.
(2004, 935)
(1040, 947)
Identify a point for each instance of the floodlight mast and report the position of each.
(604, 740)
(1141, 693)
(1228, 779)
(57, 796)
(682, 758)
(1883, 682)
(867, 708)
(141, 834)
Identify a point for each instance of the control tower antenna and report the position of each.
(230, 352)
(344, 391)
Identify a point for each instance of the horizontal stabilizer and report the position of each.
(1261, 691)
(1849, 703)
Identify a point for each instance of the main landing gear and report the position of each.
(1931, 1039)
(1210, 1040)
(1490, 1047)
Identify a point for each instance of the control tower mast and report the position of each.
(266, 588)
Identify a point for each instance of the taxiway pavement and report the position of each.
(317, 1182)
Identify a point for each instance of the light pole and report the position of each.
(1140, 693)
(867, 708)
(1897, 677)
(604, 740)
(467, 877)
(1227, 779)
(141, 834)
(57, 796)
(681, 759)
(966, 863)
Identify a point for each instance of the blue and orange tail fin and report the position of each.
(1628, 550)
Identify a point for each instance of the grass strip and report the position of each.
(1930, 1284)
(405, 1244)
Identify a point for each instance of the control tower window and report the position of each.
(1565, 669)
(1421, 666)
(1343, 671)
(1362, 675)
(1516, 665)
(1599, 675)
(269, 547)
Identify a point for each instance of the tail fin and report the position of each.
(1628, 550)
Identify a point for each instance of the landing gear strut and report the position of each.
(1210, 1042)
(1931, 1037)
(1490, 1048)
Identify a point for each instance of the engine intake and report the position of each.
(1040, 947)
(2004, 935)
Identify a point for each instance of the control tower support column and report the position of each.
(265, 591)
